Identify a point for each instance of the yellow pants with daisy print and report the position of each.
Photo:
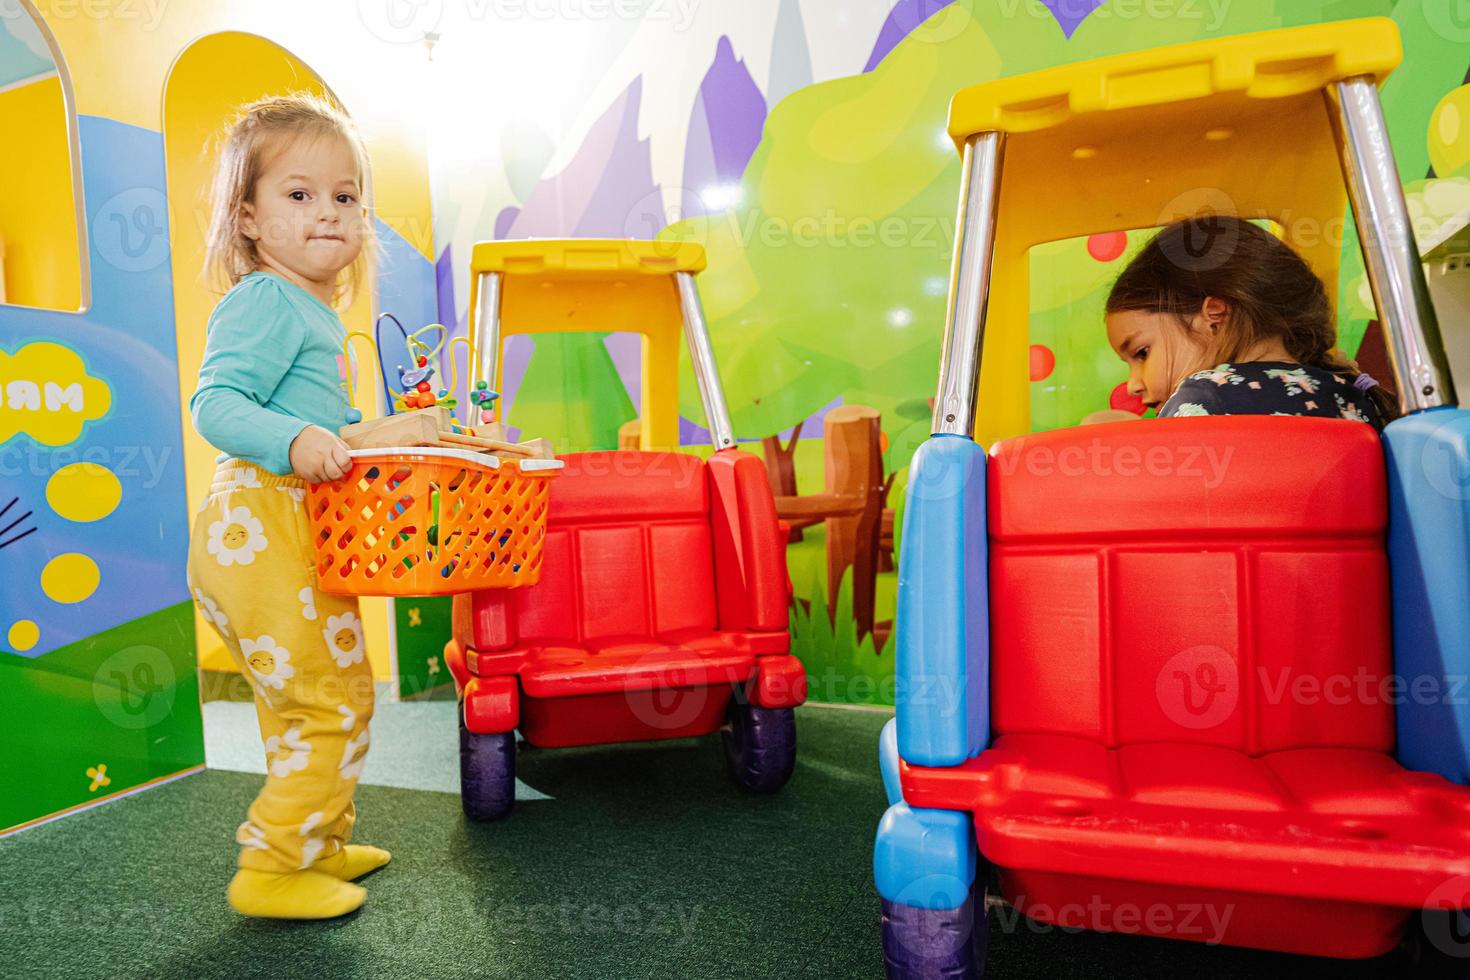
(251, 570)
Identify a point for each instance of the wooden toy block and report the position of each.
(417, 428)
(492, 430)
(540, 448)
(456, 441)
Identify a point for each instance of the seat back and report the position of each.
(628, 551)
(1218, 581)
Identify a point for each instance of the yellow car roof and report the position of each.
(1262, 66)
(596, 258)
(1236, 125)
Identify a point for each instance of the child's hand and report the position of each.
(317, 456)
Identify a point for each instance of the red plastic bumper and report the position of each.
(780, 682)
(1287, 841)
(492, 705)
(635, 691)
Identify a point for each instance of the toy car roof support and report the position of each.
(567, 285)
(1241, 127)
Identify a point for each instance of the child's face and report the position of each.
(306, 215)
(1158, 350)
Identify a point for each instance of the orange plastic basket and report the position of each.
(427, 521)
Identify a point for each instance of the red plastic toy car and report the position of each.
(662, 606)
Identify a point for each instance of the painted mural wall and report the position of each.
(100, 470)
(801, 141)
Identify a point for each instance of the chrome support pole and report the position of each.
(486, 334)
(1395, 273)
(706, 372)
(969, 285)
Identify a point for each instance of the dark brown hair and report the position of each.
(1270, 291)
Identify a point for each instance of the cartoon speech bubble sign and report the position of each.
(47, 394)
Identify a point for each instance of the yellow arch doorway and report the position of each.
(207, 84)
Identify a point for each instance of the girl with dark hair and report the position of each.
(1217, 316)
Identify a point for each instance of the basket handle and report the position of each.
(347, 365)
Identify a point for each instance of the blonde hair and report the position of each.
(244, 152)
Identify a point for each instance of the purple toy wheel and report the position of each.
(935, 944)
(487, 772)
(760, 745)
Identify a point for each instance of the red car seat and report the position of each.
(663, 589)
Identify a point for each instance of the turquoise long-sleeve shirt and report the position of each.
(272, 366)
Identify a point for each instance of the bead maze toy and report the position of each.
(662, 609)
(1090, 666)
(430, 506)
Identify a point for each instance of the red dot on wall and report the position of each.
(1043, 361)
(1120, 399)
(1107, 246)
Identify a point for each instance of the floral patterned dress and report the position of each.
(1271, 388)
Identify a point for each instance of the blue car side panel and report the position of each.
(888, 761)
(1429, 560)
(924, 858)
(943, 622)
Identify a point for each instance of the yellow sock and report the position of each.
(292, 895)
(353, 861)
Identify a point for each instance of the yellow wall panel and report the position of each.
(38, 226)
(119, 63)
